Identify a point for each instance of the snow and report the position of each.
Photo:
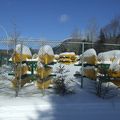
(33, 105)
(29, 72)
(67, 53)
(109, 55)
(115, 66)
(104, 62)
(10, 59)
(25, 49)
(33, 59)
(46, 50)
(56, 56)
(50, 108)
(89, 52)
(40, 65)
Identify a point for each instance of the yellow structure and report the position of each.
(46, 54)
(22, 82)
(21, 53)
(46, 58)
(16, 57)
(67, 57)
(44, 72)
(43, 84)
(89, 56)
(91, 59)
(21, 70)
(90, 72)
(114, 74)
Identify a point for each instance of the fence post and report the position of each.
(82, 67)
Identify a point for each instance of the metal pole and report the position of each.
(82, 65)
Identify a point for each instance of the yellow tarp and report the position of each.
(67, 57)
(46, 59)
(43, 85)
(21, 70)
(90, 73)
(44, 72)
(16, 57)
(115, 74)
(91, 59)
(15, 81)
(116, 82)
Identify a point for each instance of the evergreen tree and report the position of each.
(99, 46)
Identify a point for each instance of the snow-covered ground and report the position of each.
(33, 105)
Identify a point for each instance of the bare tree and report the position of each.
(76, 34)
(14, 38)
(112, 30)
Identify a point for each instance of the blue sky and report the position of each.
(54, 19)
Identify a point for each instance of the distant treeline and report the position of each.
(108, 34)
